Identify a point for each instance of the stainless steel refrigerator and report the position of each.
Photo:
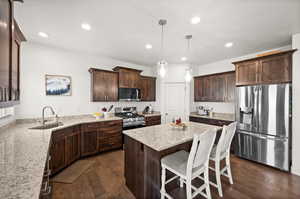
(263, 134)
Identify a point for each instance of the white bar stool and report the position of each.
(188, 166)
(222, 151)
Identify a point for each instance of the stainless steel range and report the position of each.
(131, 119)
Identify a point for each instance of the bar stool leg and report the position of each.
(229, 168)
(206, 181)
(163, 180)
(218, 177)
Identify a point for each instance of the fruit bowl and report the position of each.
(178, 126)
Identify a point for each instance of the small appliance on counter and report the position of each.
(201, 110)
(148, 110)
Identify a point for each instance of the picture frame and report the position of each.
(58, 85)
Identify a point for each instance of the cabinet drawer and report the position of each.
(152, 123)
(91, 126)
(110, 133)
(110, 124)
(110, 143)
(210, 121)
(153, 118)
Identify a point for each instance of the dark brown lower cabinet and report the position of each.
(57, 151)
(110, 135)
(153, 120)
(72, 143)
(72, 149)
(89, 143)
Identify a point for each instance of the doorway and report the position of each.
(175, 103)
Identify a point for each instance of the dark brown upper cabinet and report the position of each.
(148, 88)
(215, 87)
(128, 78)
(10, 41)
(104, 85)
(270, 69)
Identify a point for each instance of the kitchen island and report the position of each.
(144, 149)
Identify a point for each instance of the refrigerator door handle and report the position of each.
(255, 107)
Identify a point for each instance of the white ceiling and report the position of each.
(121, 28)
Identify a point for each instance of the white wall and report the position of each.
(218, 67)
(296, 106)
(38, 60)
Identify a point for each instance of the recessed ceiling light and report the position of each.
(183, 58)
(195, 20)
(42, 34)
(86, 26)
(148, 46)
(228, 45)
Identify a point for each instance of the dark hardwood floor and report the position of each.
(104, 180)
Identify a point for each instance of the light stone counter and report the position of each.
(23, 155)
(161, 137)
(216, 116)
(155, 113)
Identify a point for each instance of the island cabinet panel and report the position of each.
(104, 85)
(148, 88)
(269, 69)
(143, 168)
(215, 87)
(128, 78)
(153, 120)
(89, 139)
(134, 167)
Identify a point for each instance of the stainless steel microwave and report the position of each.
(129, 94)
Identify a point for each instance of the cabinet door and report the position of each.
(198, 89)
(89, 139)
(99, 85)
(111, 86)
(57, 153)
(218, 88)
(207, 96)
(104, 85)
(72, 149)
(277, 69)
(5, 47)
(230, 87)
(148, 88)
(247, 73)
(129, 78)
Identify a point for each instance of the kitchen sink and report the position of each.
(47, 126)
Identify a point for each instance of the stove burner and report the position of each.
(130, 117)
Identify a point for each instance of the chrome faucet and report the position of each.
(43, 113)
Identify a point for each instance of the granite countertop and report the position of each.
(23, 155)
(216, 116)
(161, 137)
(155, 113)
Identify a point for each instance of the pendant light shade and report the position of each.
(188, 71)
(162, 64)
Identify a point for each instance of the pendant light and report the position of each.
(162, 63)
(188, 75)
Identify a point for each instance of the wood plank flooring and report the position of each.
(104, 180)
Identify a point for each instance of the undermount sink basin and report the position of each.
(47, 126)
